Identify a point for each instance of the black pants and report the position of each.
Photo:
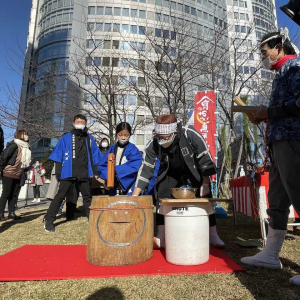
(10, 193)
(36, 191)
(284, 187)
(65, 185)
(163, 190)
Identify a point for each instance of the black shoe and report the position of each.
(2, 218)
(49, 226)
(70, 217)
(12, 215)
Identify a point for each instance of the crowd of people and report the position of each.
(176, 156)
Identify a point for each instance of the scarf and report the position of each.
(80, 132)
(26, 153)
(276, 66)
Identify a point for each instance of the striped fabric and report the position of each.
(244, 200)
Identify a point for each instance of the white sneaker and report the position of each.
(295, 280)
(269, 256)
(38, 200)
(214, 238)
(34, 201)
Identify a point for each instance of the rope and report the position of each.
(121, 208)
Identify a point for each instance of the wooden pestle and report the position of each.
(241, 107)
(110, 170)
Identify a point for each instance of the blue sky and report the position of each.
(14, 20)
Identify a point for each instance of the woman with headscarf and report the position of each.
(15, 160)
(184, 159)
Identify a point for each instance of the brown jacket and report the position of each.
(15, 171)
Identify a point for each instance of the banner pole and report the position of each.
(217, 132)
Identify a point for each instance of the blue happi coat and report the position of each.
(62, 153)
(127, 171)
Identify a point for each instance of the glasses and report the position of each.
(163, 136)
(123, 135)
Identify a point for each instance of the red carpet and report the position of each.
(45, 262)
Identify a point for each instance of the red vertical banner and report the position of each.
(205, 118)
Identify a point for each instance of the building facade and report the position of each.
(121, 60)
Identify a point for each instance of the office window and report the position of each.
(251, 56)
(246, 70)
(236, 15)
(133, 13)
(132, 80)
(107, 27)
(173, 5)
(193, 11)
(90, 27)
(89, 62)
(124, 63)
(89, 44)
(187, 9)
(240, 69)
(125, 45)
(116, 27)
(133, 45)
(180, 6)
(108, 11)
(142, 14)
(115, 62)
(115, 44)
(142, 47)
(237, 28)
(107, 44)
(141, 81)
(100, 10)
(125, 28)
(133, 64)
(157, 32)
(125, 12)
(133, 29)
(157, 17)
(157, 2)
(117, 11)
(131, 99)
(166, 34)
(91, 10)
(166, 3)
(142, 30)
(98, 44)
(99, 27)
(97, 61)
(123, 80)
(122, 99)
(106, 62)
(166, 18)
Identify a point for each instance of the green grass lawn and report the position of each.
(254, 283)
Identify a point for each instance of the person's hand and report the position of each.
(204, 189)
(262, 113)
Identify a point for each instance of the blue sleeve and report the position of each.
(57, 154)
(127, 172)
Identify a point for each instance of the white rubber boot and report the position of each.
(269, 256)
(34, 201)
(295, 280)
(214, 238)
(159, 240)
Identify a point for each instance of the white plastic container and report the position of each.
(187, 233)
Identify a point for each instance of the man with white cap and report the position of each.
(283, 138)
(184, 158)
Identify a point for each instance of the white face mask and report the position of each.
(104, 144)
(166, 143)
(268, 63)
(123, 142)
(79, 127)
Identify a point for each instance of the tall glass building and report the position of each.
(124, 37)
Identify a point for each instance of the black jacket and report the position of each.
(9, 155)
(194, 151)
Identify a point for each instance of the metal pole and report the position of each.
(217, 132)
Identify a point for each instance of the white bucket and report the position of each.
(187, 233)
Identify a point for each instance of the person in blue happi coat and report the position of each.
(127, 163)
(77, 157)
